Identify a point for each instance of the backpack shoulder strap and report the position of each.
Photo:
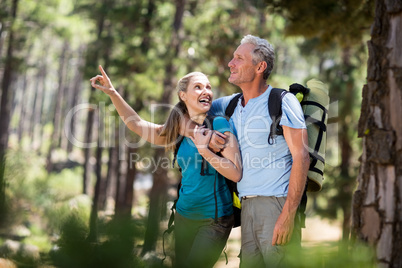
(208, 123)
(275, 112)
(176, 150)
(232, 105)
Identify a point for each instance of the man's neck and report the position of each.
(254, 90)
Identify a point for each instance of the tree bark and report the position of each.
(124, 203)
(5, 110)
(111, 177)
(125, 190)
(38, 102)
(93, 58)
(3, 16)
(93, 226)
(22, 100)
(22, 107)
(346, 111)
(57, 109)
(113, 169)
(377, 203)
(41, 115)
(76, 89)
(100, 191)
(146, 40)
(157, 204)
(67, 97)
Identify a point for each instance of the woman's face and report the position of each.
(198, 97)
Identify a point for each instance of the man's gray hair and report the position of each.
(263, 51)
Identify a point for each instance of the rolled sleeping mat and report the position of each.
(315, 108)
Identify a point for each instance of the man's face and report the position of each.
(242, 69)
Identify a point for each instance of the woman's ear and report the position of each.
(183, 96)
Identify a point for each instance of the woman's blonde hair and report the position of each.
(171, 129)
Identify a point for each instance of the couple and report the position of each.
(271, 178)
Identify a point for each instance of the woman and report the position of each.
(204, 213)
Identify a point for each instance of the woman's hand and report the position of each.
(104, 82)
(201, 139)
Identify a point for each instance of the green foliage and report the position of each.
(115, 250)
(133, 42)
(331, 255)
(53, 197)
(330, 21)
(60, 211)
(39, 237)
(20, 178)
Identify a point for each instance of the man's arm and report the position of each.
(298, 145)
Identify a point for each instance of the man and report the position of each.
(274, 176)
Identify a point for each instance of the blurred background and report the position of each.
(79, 190)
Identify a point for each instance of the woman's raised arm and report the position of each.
(147, 130)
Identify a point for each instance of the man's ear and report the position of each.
(262, 66)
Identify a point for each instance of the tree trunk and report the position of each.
(3, 17)
(22, 101)
(94, 57)
(111, 177)
(67, 98)
(76, 90)
(40, 114)
(30, 99)
(157, 205)
(57, 109)
(346, 111)
(125, 190)
(23, 107)
(119, 194)
(102, 143)
(112, 182)
(100, 189)
(5, 110)
(2, 37)
(113, 167)
(87, 152)
(377, 214)
(124, 203)
(146, 40)
(38, 102)
(93, 226)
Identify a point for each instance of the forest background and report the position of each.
(77, 188)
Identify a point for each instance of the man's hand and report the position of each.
(296, 140)
(217, 142)
(283, 228)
